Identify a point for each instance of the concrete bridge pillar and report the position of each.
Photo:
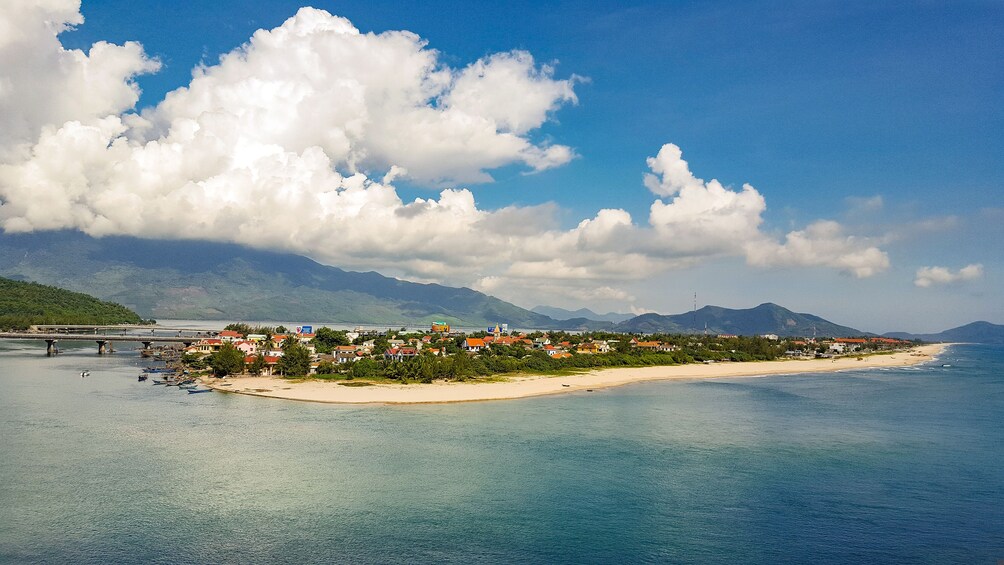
(50, 347)
(104, 346)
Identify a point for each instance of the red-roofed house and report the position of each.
(474, 344)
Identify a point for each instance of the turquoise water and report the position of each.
(895, 466)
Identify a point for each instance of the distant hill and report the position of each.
(976, 332)
(24, 304)
(215, 281)
(764, 319)
(584, 313)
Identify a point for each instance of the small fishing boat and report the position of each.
(142, 378)
(198, 390)
(85, 373)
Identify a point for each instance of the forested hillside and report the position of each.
(23, 304)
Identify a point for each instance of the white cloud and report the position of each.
(939, 276)
(42, 83)
(670, 173)
(864, 204)
(822, 244)
(370, 102)
(279, 145)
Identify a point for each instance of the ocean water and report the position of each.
(888, 466)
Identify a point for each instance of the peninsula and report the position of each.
(390, 391)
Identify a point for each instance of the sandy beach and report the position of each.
(526, 386)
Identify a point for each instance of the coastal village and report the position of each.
(265, 351)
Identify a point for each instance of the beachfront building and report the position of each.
(346, 354)
(400, 353)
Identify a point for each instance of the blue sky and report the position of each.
(885, 117)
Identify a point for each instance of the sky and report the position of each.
(837, 158)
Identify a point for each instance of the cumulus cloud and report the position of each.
(294, 140)
(939, 276)
(42, 83)
(823, 244)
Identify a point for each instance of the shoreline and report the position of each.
(329, 392)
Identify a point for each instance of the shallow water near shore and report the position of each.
(883, 466)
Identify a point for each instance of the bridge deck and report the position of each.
(97, 337)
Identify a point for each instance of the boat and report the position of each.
(158, 370)
(142, 378)
(188, 387)
(85, 373)
(197, 390)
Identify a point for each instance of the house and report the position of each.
(246, 347)
(552, 350)
(208, 345)
(230, 335)
(269, 368)
(601, 346)
(647, 345)
(666, 347)
(400, 353)
(345, 353)
(588, 348)
(561, 355)
(474, 344)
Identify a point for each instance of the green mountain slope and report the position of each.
(23, 304)
(764, 319)
(214, 281)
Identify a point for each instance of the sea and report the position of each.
(868, 466)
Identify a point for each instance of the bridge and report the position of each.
(103, 340)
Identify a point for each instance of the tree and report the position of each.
(227, 361)
(281, 329)
(295, 360)
(460, 366)
(364, 368)
(325, 339)
(257, 366)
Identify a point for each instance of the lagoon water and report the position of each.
(893, 466)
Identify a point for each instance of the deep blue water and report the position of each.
(894, 466)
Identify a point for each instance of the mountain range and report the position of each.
(581, 313)
(763, 319)
(976, 332)
(201, 280)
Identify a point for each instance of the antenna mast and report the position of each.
(695, 312)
